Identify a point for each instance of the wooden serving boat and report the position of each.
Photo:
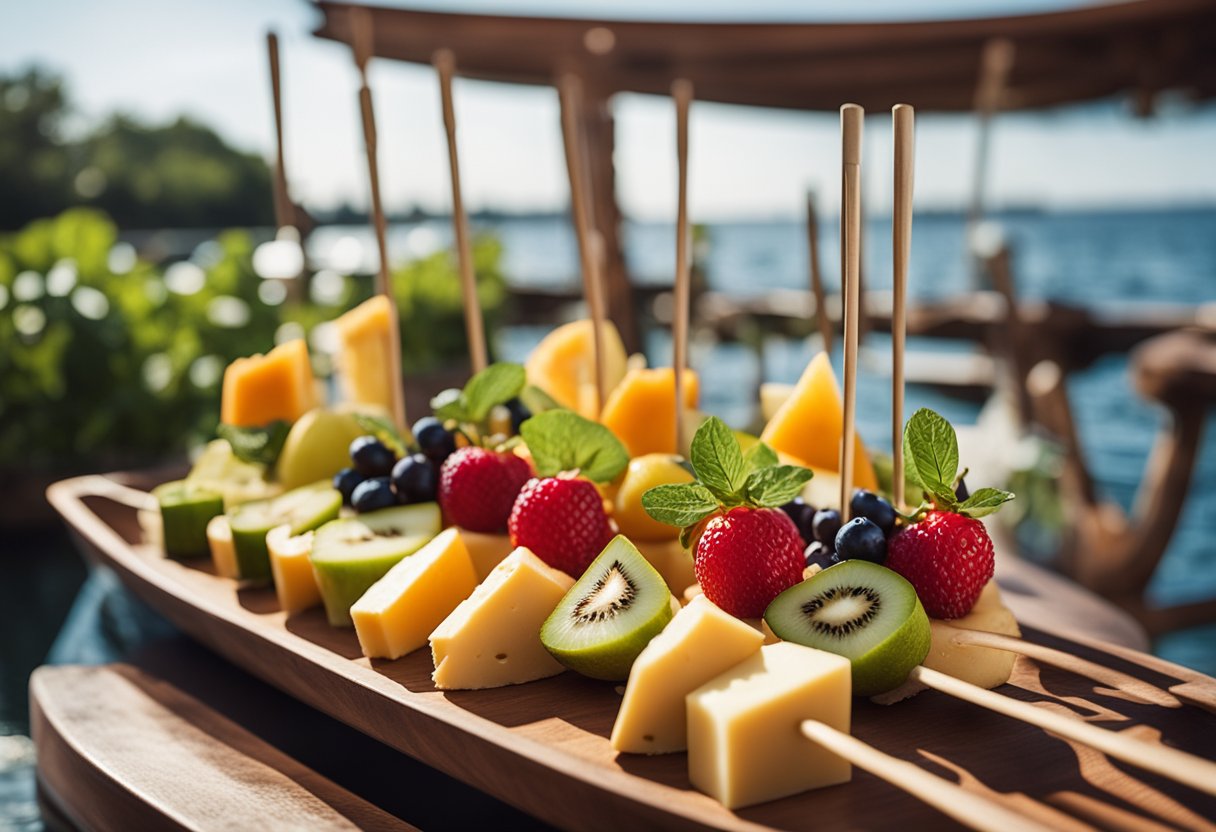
(544, 748)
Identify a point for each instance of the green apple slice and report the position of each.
(317, 447)
(303, 509)
(185, 510)
(350, 555)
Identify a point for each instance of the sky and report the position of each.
(207, 59)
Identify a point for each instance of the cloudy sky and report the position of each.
(207, 59)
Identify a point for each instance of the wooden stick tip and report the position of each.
(444, 60)
(852, 119)
(681, 89)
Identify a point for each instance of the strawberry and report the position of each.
(948, 558)
(562, 520)
(477, 487)
(747, 557)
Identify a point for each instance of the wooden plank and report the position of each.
(543, 747)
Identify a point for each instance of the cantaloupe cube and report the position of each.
(809, 426)
(295, 585)
(701, 642)
(397, 614)
(266, 388)
(981, 666)
(563, 364)
(642, 409)
(744, 742)
(364, 358)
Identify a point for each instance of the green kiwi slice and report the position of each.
(859, 610)
(304, 509)
(613, 611)
(185, 510)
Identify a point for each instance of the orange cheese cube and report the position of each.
(641, 411)
(364, 359)
(266, 388)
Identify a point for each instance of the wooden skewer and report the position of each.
(681, 91)
(445, 65)
(967, 807)
(812, 251)
(282, 201)
(851, 119)
(1189, 769)
(569, 89)
(361, 45)
(903, 126)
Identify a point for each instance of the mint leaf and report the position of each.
(384, 430)
(496, 384)
(681, 505)
(261, 445)
(776, 485)
(537, 400)
(983, 502)
(931, 452)
(561, 440)
(449, 404)
(716, 458)
(759, 456)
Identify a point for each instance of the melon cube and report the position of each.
(277, 386)
(364, 357)
(641, 411)
(563, 364)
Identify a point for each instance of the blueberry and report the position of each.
(803, 517)
(861, 539)
(371, 457)
(415, 479)
(434, 440)
(819, 555)
(372, 494)
(825, 525)
(869, 505)
(346, 481)
(961, 493)
(519, 414)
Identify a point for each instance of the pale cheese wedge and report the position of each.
(493, 637)
(700, 643)
(295, 585)
(398, 612)
(223, 550)
(744, 743)
(981, 666)
(486, 550)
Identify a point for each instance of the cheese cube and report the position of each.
(266, 388)
(981, 666)
(295, 585)
(493, 638)
(744, 742)
(364, 358)
(223, 550)
(397, 614)
(700, 643)
(486, 550)
(672, 561)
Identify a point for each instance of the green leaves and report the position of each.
(717, 459)
(931, 455)
(679, 505)
(983, 502)
(261, 445)
(561, 440)
(384, 430)
(495, 385)
(776, 485)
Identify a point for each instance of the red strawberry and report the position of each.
(948, 559)
(477, 487)
(562, 520)
(747, 557)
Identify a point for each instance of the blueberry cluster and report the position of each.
(862, 538)
(378, 479)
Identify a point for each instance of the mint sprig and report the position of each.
(561, 440)
(726, 478)
(931, 455)
(496, 384)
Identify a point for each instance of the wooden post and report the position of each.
(903, 128)
(816, 275)
(681, 91)
(445, 66)
(852, 120)
(996, 62)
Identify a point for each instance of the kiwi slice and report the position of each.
(350, 555)
(859, 610)
(303, 509)
(612, 612)
(185, 510)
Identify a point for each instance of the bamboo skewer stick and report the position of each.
(1171, 763)
(445, 65)
(569, 91)
(282, 200)
(361, 45)
(816, 275)
(903, 126)
(681, 91)
(851, 120)
(967, 807)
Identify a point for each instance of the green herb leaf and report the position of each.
(384, 430)
(759, 456)
(682, 504)
(718, 461)
(261, 445)
(931, 452)
(776, 485)
(537, 400)
(496, 384)
(449, 404)
(561, 440)
(985, 501)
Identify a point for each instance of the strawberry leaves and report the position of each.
(931, 453)
(561, 440)
(496, 384)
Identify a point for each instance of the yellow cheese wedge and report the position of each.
(397, 614)
(700, 643)
(266, 388)
(223, 551)
(295, 585)
(493, 638)
(486, 550)
(364, 353)
(981, 666)
(641, 411)
(744, 746)
(672, 561)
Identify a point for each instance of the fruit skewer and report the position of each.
(681, 92)
(903, 127)
(852, 118)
